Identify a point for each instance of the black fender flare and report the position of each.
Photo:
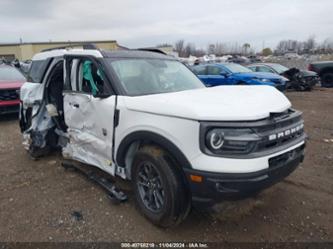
(154, 138)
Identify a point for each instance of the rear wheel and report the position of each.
(160, 189)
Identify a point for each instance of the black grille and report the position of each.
(11, 94)
(313, 80)
(277, 132)
(9, 109)
(283, 129)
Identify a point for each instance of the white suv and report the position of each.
(145, 117)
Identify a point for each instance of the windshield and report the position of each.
(10, 74)
(151, 76)
(278, 68)
(236, 68)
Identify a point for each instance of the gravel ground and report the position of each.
(40, 201)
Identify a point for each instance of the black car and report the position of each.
(325, 70)
(300, 80)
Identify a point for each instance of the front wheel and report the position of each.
(160, 189)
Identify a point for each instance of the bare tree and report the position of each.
(311, 43)
(219, 49)
(180, 47)
(246, 46)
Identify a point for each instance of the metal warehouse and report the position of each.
(25, 51)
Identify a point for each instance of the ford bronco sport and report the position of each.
(145, 117)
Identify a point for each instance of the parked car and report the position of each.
(23, 66)
(239, 60)
(235, 74)
(300, 80)
(324, 70)
(145, 117)
(10, 82)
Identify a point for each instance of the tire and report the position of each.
(159, 186)
(327, 79)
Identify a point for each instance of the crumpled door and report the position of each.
(89, 120)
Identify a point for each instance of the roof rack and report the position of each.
(86, 46)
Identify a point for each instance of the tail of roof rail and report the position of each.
(154, 50)
(85, 46)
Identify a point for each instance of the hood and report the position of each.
(222, 103)
(258, 75)
(307, 73)
(10, 85)
(292, 72)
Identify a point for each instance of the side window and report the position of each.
(254, 69)
(211, 70)
(264, 69)
(90, 78)
(37, 70)
(200, 70)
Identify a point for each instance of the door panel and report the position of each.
(90, 124)
(216, 80)
(214, 76)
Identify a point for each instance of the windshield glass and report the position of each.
(10, 74)
(278, 68)
(236, 68)
(151, 76)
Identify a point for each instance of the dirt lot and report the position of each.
(38, 198)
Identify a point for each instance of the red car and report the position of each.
(11, 80)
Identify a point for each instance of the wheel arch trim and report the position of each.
(156, 139)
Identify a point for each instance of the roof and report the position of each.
(102, 53)
(136, 54)
(56, 42)
(61, 52)
(263, 63)
(216, 64)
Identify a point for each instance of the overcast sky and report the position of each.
(139, 23)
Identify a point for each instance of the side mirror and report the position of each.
(224, 74)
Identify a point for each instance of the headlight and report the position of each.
(284, 78)
(228, 141)
(264, 80)
(215, 139)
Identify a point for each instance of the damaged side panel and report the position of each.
(34, 119)
(90, 126)
(36, 123)
(87, 130)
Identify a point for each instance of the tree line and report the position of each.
(309, 46)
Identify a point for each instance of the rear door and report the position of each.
(201, 72)
(89, 113)
(264, 69)
(215, 76)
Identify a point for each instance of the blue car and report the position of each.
(235, 74)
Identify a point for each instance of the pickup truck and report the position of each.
(145, 117)
(325, 70)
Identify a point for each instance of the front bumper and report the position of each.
(9, 106)
(280, 87)
(216, 187)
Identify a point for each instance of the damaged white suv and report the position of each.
(145, 117)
